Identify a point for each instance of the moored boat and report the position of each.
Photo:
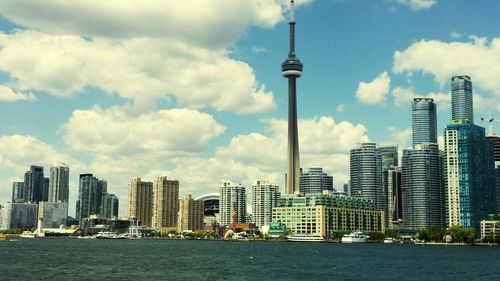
(27, 234)
(109, 235)
(355, 237)
(305, 238)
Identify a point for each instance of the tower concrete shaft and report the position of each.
(292, 69)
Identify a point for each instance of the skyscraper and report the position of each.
(314, 180)
(89, 197)
(461, 99)
(424, 120)
(45, 190)
(33, 184)
(470, 174)
(191, 214)
(389, 157)
(496, 152)
(18, 192)
(166, 204)
(59, 184)
(366, 174)
(422, 190)
(392, 179)
(110, 205)
(292, 69)
(265, 198)
(232, 203)
(140, 201)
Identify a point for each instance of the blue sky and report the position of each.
(195, 93)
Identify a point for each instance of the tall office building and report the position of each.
(422, 189)
(191, 214)
(314, 180)
(292, 69)
(34, 184)
(392, 180)
(366, 174)
(424, 121)
(140, 201)
(265, 198)
(110, 205)
(497, 180)
(59, 184)
(496, 152)
(389, 157)
(470, 174)
(89, 197)
(232, 203)
(45, 190)
(461, 99)
(18, 192)
(166, 204)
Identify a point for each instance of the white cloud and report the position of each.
(403, 97)
(400, 137)
(479, 59)
(8, 95)
(216, 23)
(141, 69)
(118, 132)
(418, 4)
(340, 108)
(455, 35)
(374, 92)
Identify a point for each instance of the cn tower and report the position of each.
(292, 69)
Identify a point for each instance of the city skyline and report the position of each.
(125, 125)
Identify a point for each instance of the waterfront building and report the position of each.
(389, 159)
(366, 174)
(461, 99)
(110, 205)
(264, 198)
(59, 184)
(191, 214)
(140, 201)
(292, 70)
(17, 192)
(424, 121)
(490, 228)
(327, 215)
(232, 203)
(45, 190)
(314, 180)
(89, 199)
(52, 214)
(422, 187)
(392, 179)
(497, 180)
(18, 215)
(166, 204)
(470, 179)
(210, 209)
(496, 152)
(34, 184)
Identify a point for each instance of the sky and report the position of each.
(192, 90)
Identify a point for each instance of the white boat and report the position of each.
(305, 238)
(27, 234)
(109, 235)
(355, 237)
(389, 240)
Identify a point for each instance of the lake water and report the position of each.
(78, 259)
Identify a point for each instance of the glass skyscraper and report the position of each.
(470, 174)
(86, 204)
(366, 174)
(424, 121)
(59, 184)
(422, 189)
(17, 192)
(461, 98)
(315, 181)
(34, 184)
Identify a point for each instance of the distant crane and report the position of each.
(490, 121)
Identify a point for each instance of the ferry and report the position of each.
(109, 235)
(27, 234)
(305, 238)
(355, 237)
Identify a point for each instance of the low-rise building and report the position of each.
(18, 215)
(490, 228)
(328, 214)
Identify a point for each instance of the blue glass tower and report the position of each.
(470, 174)
(461, 99)
(424, 128)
